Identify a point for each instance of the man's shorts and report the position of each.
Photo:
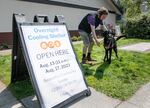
(87, 38)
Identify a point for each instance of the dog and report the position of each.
(110, 44)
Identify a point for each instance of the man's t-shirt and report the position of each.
(92, 19)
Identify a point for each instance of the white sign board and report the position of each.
(54, 64)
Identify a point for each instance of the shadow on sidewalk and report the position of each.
(7, 100)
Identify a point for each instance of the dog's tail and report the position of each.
(121, 36)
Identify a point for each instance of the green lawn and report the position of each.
(119, 80)
(19, 89)
(5, 67)
(123, 76)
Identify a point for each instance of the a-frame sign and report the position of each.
(52, 64)
(19, 69)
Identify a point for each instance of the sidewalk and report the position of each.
(137, 47)
(141, 99)
(5, 52)
(79, 42)
(96, 100)
(7, 100)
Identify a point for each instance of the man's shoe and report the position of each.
(90, 59)
(83, 61)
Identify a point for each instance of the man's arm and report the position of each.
(103, 27)
(94, 35)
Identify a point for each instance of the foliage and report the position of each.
(3, 46)
(134, 18)
(131, 8)
(122, 25)
(139, 26)
(75, 38)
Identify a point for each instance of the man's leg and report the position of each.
(90, 49)
(86, 44)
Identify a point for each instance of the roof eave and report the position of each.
(119, 9)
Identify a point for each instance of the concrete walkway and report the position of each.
(5, 52)
(141, 99)
(7, 100)
(96, 100)
(138, 47)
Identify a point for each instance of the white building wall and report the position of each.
(72, 15)
(91, 3)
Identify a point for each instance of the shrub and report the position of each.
(122, 25)
(79, 38)
(3, 46)
(139, 26)
(75, 38)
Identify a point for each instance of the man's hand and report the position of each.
(94, 35)
(97, 43)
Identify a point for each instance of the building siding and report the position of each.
(73, 16)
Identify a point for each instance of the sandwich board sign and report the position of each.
(52, 64)
(59, 18)
(18, 69)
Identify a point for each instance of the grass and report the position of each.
(5, 69)
(19, 89)
(119, 80)
(123, 77)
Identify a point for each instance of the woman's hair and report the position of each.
(102, 11)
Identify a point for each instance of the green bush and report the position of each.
(122, 26)
(75, 38)
(79, 38)
(3, 46)
(139, 27)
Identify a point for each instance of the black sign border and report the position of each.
(66, 102)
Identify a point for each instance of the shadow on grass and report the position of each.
(87, 71)
(100, 70)
(21, 89)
